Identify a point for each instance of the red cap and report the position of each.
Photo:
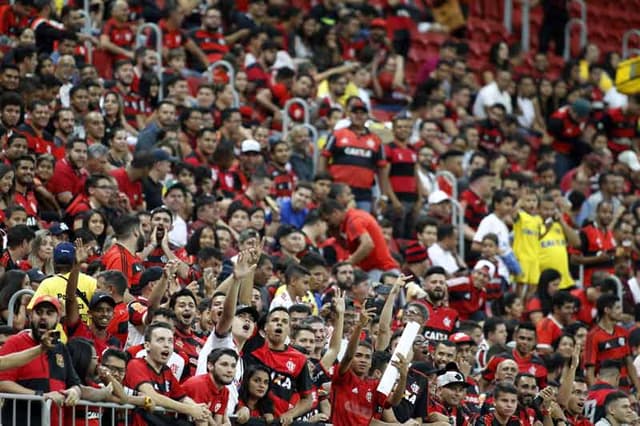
(378, 22)
(47, 299)
(459, 338)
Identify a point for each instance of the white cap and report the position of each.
(485, 264)
(250, 145)
(450, 377)
(436, 197)
(630, 159)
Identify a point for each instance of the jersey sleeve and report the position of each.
(137, 313)
(355, 228)
(590, 350)
(11, 346)
(545, 335)
(381, 156)
(177, 391)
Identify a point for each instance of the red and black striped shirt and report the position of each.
(402, 174)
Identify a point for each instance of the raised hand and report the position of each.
(365, 316)
(401, 363)
(399, 283)
(339, 302)
(82, 252)
(244, 265)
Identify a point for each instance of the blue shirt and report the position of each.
(292, 217)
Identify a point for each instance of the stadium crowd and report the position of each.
(195, 242)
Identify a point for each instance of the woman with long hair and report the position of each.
(113, 113)
(97, 223)
(10, 283)
(253, 399)
(41, 256)
(201, 238)
(149, 89)
(119, 154)
(7, 187)
(539, 306)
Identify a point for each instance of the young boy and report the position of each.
(527, 226)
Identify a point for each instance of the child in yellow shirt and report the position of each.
(527, 228)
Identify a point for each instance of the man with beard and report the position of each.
(96, 196)
(24, 195)
(184, 305)
(39, 140)
(210, 38)
(442, 319)
(100, 309)
(129, 178)
(63, 122)
(290, 376)
(159, 249)
(259, 73)
(146, 60)
(50, 375)
(233, 324)
(122, 255)
(527, 389)
(152, 377)
(212, 388)
(133, 104)
(69, 175)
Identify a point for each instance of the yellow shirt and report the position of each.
(605, 82)
(57, 286)
(553, 253)
(308, 299)
(350, 90)
(526, 246)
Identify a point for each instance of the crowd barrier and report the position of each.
(18, 410)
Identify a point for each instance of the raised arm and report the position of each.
(71, 304)
(365, 317)
(402, 364)
(386, 316)
(568, 376)
(241, 270)
(18, 359)
(331, 354)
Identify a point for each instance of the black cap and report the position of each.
(479, 174)
(247, 309)
(99, 297)
(151, 274)
(36, 275)
(358, 104)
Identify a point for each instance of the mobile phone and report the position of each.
(55, 337)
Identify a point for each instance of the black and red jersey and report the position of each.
(164, 382)
(594, 405)
(133, 105)
(119, 325)
(284, 180)
(442, 320)
(621, 129)
(190, 344)
(212, 44)
(49, 371)
(565, 130)
(490, 420)
(604, 346)
(465, 297)
(593, 239)
(402, 172)
(475, 208)
(491, 136)
(122, 34)
(413, 404)
(354, 160)
(289, 372)
(458, 416)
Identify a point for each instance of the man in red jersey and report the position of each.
(114, 283)
(69, 174)
(211, 388)
(573, 393)
(442, 319)
(607, 381)
(609, 341)
(152, 377)
(549, 329)
(355, 400)
(354, 156)
(184, 305)
(289, 368)
(364, 238)
(122, 255)
(50, 375)
(129, 178)
(118, 34)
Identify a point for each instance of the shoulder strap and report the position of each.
(79, 294)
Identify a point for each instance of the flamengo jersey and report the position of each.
(602, 345)
(441, 322)
(355, 401)
(289, 372)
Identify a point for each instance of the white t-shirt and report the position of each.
(493, 224)
(216, 342)
(440, 257)
(490, 95)
(179, 233)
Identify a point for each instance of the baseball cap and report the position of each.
(630, 159)
(358, 104)
(581, 107)
(51, 300)
(489, 267)
(250, 145)
(64, 254)
(36, 275)
(151, 274)
(460, 338)
(437, 197)
(378, 22)
(58, 228)
(247, 309)
(101, 296)
(415, 253)
(162, 155)
(451, 376)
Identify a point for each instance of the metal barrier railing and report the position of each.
(457, 217)
(525, 30)
(141, 41)
(567, 36)
(452, 180)
(87, 29)
(583, 9)
(625, 42)
(231, 72)
(45, 413)
(12, 302)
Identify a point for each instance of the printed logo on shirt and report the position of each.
(291, 366)
(60, 360)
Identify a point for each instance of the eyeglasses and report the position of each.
(114, 369)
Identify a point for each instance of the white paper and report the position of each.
(404, 346)
(343, 348)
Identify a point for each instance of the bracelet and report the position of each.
(148, 403)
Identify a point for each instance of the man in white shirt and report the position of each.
(296, 289)
(618, 410)
(443, 253)
(174, 199)
(493, 93)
